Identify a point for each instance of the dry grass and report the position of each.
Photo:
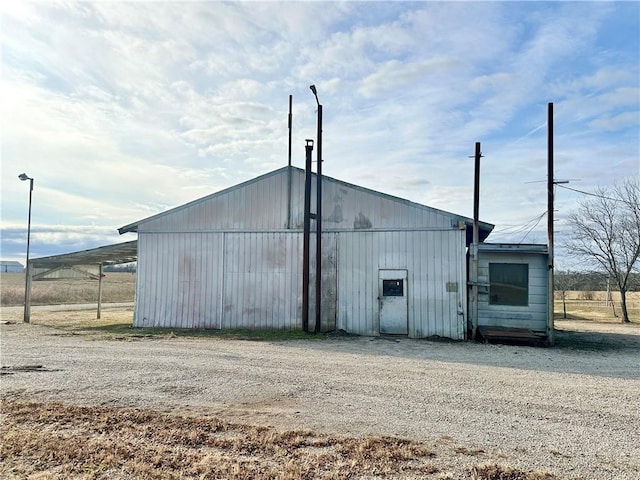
(500, 472)
(55, 441)
(579, 307)
(116, 287)
(65, 441)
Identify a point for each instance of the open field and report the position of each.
(84, 398)
(588, 305)
(116, 287)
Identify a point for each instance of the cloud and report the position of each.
(617, 122)
(121, 110)
(394, 75)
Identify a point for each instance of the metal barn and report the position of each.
(513, 300)
(10, 266)
(234, 259)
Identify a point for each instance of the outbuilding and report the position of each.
(234, 259)
(10, 266)
(513, 294)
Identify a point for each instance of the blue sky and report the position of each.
(122, 110)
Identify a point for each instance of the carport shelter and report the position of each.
(234, 259)
(82, 264)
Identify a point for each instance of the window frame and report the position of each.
(510, 294)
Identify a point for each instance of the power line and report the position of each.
(536, 224)
(589, 193)
(520, 228)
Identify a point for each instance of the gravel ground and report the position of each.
(572, 410)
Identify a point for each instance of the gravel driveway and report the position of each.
(572, 410)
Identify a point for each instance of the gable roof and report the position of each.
(485, 228)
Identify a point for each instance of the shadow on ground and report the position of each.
(595, 341)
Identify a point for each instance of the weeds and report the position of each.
(105, 442)
(56, 441)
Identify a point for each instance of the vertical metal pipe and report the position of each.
(476, 241)
(289, 174)
(319, 225)
(305, 239)
(100, 272)
(290, 125)
(27, 271)
(550, 206)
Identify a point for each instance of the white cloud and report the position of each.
(120, 110)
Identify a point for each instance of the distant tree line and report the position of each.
(590, 281)
(124, 268)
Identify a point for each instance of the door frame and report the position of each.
(393, 274)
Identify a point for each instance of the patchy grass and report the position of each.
(63, 441)
(500, 472)
(116, 324)
(56, 441)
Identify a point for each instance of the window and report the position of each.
(392, 288)
(509, 284)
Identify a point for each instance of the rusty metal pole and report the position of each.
(550, 206)
(307, 228)
(476, 241)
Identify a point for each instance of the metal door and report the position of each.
(393, 302)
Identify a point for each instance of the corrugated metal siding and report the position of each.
(328, 306)
(346, 207)
(178, 280)
(219, 280)
(256, 206)
(262, 280)
(262, 205)
(432, 259)
(533, 316)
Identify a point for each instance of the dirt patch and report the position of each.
(570, 410)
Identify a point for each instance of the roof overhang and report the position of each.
(115, 254)
(533, 248)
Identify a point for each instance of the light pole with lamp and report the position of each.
(318, 213)
(27, 269)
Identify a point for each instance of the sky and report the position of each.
(121, 110)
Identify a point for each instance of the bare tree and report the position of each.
(606, 233)
(564, 281)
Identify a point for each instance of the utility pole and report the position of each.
(476, 241)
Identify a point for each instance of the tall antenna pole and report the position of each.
(289, 174)
(290, 124)
(550, 184)
(318, 215)
(319, 225)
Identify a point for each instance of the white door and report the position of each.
(393, 302)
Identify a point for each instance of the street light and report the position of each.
(318, 213)
(27, 270)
